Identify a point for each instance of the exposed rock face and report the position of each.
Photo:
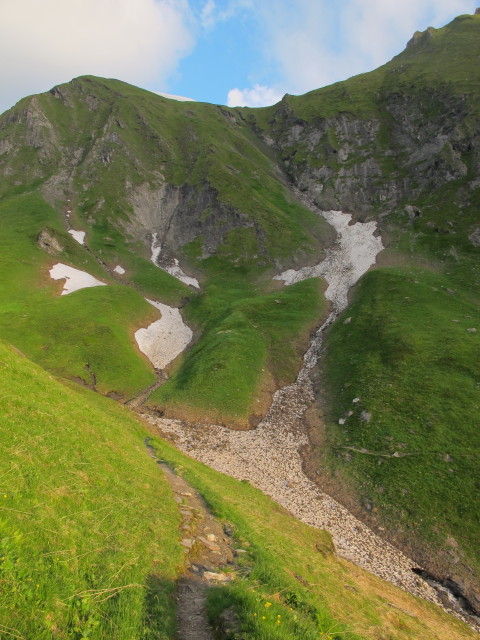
(353, 164)
(474, 237)
(179, 215)
(49, 243)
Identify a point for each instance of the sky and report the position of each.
(234, 52)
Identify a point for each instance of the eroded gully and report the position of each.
(269, 456)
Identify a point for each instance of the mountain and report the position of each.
(200, 208)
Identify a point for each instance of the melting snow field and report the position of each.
(79, 236)
(119, 269)
(74, 278)
(175, 271)
(173, 268)
(351, 256)
(164, 339)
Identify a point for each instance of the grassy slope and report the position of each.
(89, 536)
(193, 145)
(291, 586)
(408, 356)
(447, 58)
(248, 339)
(91, 331)
(88, 543)
(415, 370)
(434, 83)
(91, 327)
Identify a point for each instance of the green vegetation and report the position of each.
(440, 58)
(88, 527)
(87, 335)
(291, 585)
(89, 544)
(409, 451)
(128, 135)
(247, 339)
(408, 355)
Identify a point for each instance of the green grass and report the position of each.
(89, 536)
(84, 333)
(381, 118)
(290, 584)
(88, 527)
(408, 356)
(248, 339)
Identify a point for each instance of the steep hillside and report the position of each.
(90, 544)
(402, 139)
(135, 164)
(402, 145)
(152, 182)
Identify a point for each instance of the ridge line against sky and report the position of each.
(235, 52)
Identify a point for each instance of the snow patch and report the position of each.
(79, 236)
(351, 256)
(176, 271)
(74, 278)
(156, 249)
(119, 269)
(165, 339)
(172, 267)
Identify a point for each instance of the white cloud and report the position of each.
(316, 42)
(207, 16)
(50, 41)
(259, 96)
(211, 13)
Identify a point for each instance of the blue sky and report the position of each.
(237, 52)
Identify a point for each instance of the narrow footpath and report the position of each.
(209, 557)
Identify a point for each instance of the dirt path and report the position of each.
(209, 549)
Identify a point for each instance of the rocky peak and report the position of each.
(422, 37)
(477, 12)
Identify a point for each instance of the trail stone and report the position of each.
(187, 542)
(210, 545)
(218, 577)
